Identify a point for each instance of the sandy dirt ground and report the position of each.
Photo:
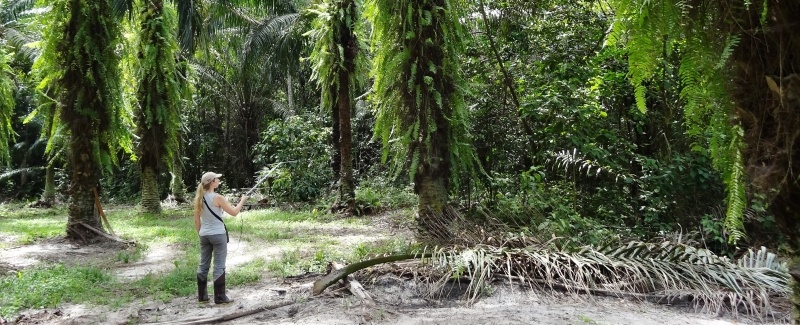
(395, 299)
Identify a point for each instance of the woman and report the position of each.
(208, 207)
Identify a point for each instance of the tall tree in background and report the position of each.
(337, 66)
(79, 64)
(740, 63)
(6, 102)
(20, 27)
(8, 14)
(419, 99)
(157, 119)
(248, 46)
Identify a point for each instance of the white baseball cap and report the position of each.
(209, 177)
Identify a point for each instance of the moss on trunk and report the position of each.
(794, 268)
(433, 221)
(49, 194)
(85, 176)
(150, 201)
(766, 88)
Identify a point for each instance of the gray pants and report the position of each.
(218, 245)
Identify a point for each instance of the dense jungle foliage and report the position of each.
(600, 121)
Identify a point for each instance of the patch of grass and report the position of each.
(293, 262)
(276, 215)
(50, 286)
(364, 251)
(250, 272)
(296, 262)
(173, 226)
(373, 195)
(29, 225)
(586, 319)
(287, 265)
(181, 281)
(132, 254)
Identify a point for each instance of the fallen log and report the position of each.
(336, 275)
(104, 234)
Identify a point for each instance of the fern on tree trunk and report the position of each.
(78, 60)
(419, 98)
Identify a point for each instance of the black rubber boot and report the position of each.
(219, 291)
(202, 288)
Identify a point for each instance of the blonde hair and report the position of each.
(198, 198)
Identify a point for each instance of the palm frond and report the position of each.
(20, 41)
(215, 82)
(190, 24)
(12, 10)
(19, 171)
(761, 258)
(122, 7)
(273, 35)
(566, 160)
(665, 271)
(14, 15)
(487, 249)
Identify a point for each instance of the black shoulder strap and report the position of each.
(218, 218)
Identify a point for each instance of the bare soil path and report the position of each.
(397, 300)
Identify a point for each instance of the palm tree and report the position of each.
(419, 98)
(10, 36)
(158, 95)
(79, 61)
(336, 62)
(17, 21)
(263, 42)
(6, 102)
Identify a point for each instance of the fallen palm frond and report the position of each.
(667, 272)
(482, 249)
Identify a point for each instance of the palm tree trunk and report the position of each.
(794, 270)
(150, 201)
(85, 176)
(178, 190)
(290, 92)
(512, 90)
(432, 218)
(346, 187)
(344, 102)
(766, 88)
(49, 195)
(336, 157)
